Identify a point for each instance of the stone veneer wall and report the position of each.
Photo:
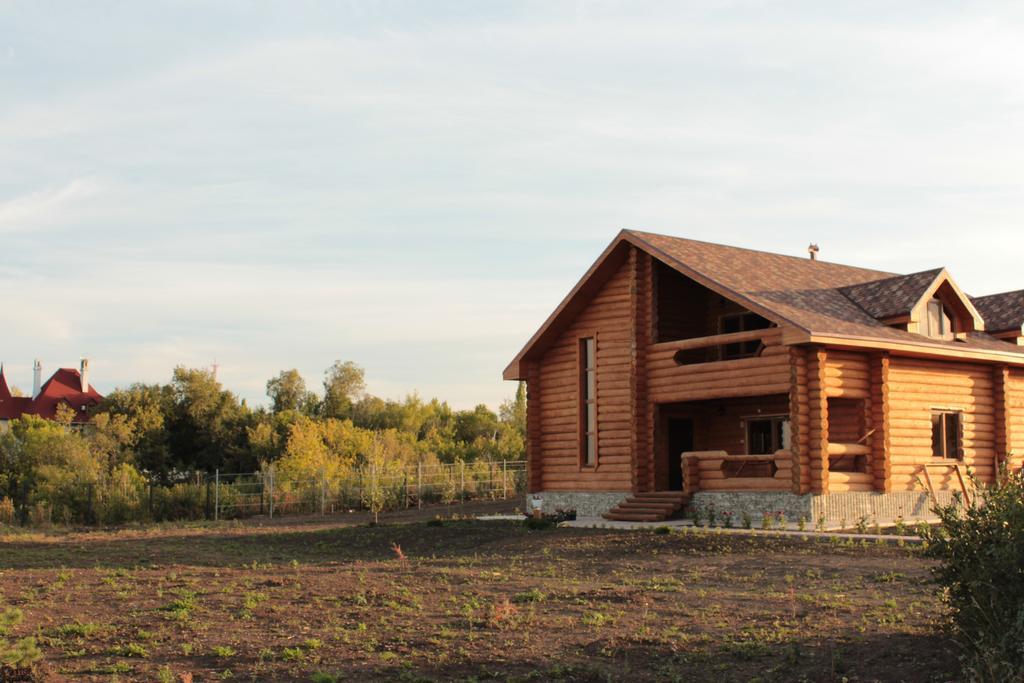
(836, 508)
(586, 503)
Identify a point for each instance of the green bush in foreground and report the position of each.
(981, 550)
(19, 653)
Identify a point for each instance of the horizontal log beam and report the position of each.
(715, 340)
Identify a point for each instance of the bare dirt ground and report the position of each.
(409, 600)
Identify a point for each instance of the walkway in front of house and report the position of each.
(687, 526)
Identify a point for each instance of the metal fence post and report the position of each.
(270, 503)
(462, 482)
(216, 494)
(206, 507)
(419, 484)
(504, 479)
(323, 493)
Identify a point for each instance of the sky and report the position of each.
(414, 186)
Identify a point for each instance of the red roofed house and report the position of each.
(67, 386)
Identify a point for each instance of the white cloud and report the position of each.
(47, 207)
(416, 190)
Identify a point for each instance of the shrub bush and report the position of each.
(981, 552)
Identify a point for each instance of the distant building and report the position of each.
(67, 386)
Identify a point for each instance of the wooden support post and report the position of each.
(216, 495)
(270, 504)
(799, 421)
(647, 471)
(419, 484)
(881, 451)
(818, 428)
(323, 494)
(1003, 426)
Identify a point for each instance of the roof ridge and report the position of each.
(994, 294)
(798, 259)
(928, 271)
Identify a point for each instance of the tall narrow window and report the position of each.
(946, 438)
(588, 401)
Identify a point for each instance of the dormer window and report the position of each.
(939, 324)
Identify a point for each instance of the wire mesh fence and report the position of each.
(223, 495)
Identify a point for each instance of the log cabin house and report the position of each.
(679, 371)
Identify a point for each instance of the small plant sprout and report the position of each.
(711, 515)
(802, 523)
(399, 555)
(780, 519)
(766, 521)
(727, 519)
(819, 526)
(748, 521)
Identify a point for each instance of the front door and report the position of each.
(680, 440)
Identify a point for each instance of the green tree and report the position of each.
(287, 391)
(146, 409)
(208, 426)
(344, 382)
(513, 412)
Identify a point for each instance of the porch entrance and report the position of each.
(680, 440)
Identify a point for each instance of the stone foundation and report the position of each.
(837, 509)
(586, 503)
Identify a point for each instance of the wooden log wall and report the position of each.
(704, 468)
(609, 318)
(916, 388)
(800, 420)
(534, 438)
(845, 420)
(670, 382)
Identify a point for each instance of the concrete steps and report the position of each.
(653, 506)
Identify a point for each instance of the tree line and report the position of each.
(165, 433)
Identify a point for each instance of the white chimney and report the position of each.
(37, 378)
(813, 251)
(85, 375)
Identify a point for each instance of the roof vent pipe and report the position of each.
(813, 251)
(37, 378)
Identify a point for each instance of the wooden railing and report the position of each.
(766, 373)
(719, 471)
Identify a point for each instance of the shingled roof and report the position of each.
(820, 298)
(1002, 312)
(892, 296)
